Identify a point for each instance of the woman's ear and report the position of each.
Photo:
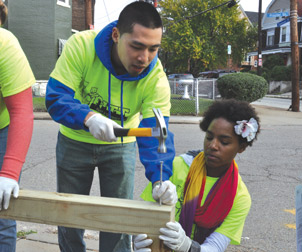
(115, 34)
(242, 147)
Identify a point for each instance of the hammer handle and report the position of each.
(139, 132)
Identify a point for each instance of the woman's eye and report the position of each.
(209, 138)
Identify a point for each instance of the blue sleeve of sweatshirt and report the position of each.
(63, 107)
(149, 156)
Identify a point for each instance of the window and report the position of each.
(277, 11)
(63, 3)
(270, 40)
(248, 58)
(61, 44)
(270, 37)
(283, 34)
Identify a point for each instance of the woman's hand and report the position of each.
(175, 237)
(141, 243)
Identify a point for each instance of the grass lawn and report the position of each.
(179, 106)
(187, 107)
(39, 104)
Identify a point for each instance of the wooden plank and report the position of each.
(90, 212)
(299, 217)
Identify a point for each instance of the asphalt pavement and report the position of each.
(43, 238)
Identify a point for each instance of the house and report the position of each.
(39, 27)
(249, 60)
(253, 17)
(43, 27)
(276, 30)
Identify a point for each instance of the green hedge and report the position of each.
(281, 73)
(242, 86)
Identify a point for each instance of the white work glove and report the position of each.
(7, 187)
(166, 191)
(102, 128)
(175, 238)
(141, 242)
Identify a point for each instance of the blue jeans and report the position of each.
(8, 230)
(76, 162)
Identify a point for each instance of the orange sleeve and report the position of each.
(20, 108)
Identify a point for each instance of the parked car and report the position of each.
(179, 81)
(180, 76)
(215, 74)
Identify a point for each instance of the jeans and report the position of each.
(8, 229)
(76, 162)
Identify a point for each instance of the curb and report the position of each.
(41, 116)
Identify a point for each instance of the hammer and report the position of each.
(160, 131)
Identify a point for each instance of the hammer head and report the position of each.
(162, 128)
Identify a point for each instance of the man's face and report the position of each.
(135, 51)
(221, 145)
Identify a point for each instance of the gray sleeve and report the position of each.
(216, 242)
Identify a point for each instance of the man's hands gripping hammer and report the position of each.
(101, 128)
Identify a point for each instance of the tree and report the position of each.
(200, 43)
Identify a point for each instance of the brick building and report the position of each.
(82, 19)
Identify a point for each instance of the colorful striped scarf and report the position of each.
(218, 202)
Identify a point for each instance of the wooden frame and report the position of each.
(91, 212)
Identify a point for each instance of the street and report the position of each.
(271, 169)
(275, 102)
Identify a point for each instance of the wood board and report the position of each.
(91, 212)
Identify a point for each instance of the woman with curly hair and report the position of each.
(213, 201)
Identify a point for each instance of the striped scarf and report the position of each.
(217, 204)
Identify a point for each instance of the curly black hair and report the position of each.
(232, 111)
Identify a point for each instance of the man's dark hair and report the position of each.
(141, 13)
(3, 13)
(232, 111)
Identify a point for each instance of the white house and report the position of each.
(276, 30)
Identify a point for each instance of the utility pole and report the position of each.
(259, 61)
(295, 55)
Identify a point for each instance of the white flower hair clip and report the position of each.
(247, 129)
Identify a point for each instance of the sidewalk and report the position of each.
(45, 237)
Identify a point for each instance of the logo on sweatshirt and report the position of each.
(96, 102)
